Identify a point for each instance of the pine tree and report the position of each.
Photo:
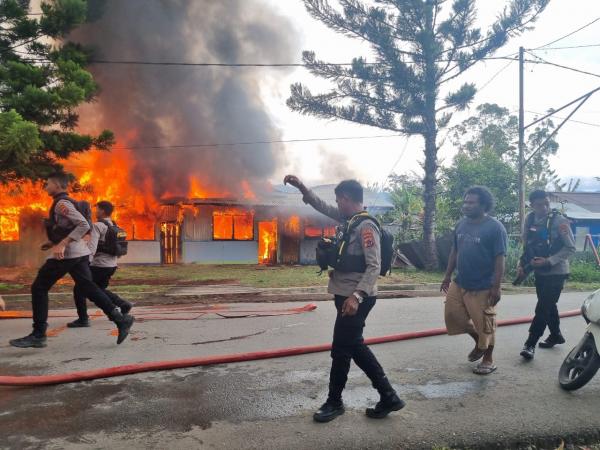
(42, 82)
(420, 48)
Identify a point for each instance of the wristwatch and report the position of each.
(359, 298)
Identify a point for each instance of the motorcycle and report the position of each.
(582, 363)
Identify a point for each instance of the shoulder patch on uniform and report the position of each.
(368, 237)
(62, 208)
(564, 228)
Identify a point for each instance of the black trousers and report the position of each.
(548, 289)
(101, 277)
(52, 271)
(348, 344)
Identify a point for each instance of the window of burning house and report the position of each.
(317, 232)
(233, 225)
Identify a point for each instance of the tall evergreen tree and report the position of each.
(42, 82)
(420, 47)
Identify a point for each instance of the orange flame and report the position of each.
(267, 242)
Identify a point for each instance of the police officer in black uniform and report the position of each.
(548, 244)
(70, 254)
(355, 288)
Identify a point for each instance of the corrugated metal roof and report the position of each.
(577, 205)
(289, 198)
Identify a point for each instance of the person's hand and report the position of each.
(47, 246)
(330, 273)
(350, 306)
(59, 250)
(294, 181)
(495, 295)
(2, 304)
(539, 262)
(445, 285)
(520, 272)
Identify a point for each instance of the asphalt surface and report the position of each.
(269, 404)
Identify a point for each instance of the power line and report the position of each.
(211, 64)
(569, 34)
(392, 170)
(233, 144)
(562, 118)
(573, 69)
(567, 48)
(495, 75)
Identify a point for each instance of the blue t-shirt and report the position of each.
(478, 245)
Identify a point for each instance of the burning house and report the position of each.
(194, 145)
(277, 228)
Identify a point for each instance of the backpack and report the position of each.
(332, 252)
(115, 240)
(56, 233)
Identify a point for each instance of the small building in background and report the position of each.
(583, 209)
(275, 228)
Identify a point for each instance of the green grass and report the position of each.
(144, 278)
(6, 287)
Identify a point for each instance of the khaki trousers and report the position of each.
(471, 311)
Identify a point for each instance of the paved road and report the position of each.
(268, 404)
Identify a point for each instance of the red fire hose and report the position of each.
(43, 380)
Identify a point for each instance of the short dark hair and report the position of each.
(106, 206)
(538, 194)
(61, 178)
(486, 199)
(350, 188)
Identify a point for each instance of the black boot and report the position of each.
(125, 307)
(552, 340)
(79, 323)
(528, 352)
(388, 402)
(329, 411)
(123, 322)
(37, 339)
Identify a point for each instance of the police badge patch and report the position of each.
(368, 238)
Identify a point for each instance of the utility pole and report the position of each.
(521, 142)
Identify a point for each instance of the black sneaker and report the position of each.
(528, 352)
(31, 341)
(385, 406)
(329, 411)
(79, 323)
(552, 340)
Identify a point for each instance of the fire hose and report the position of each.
(153, 366)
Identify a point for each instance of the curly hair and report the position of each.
(486, 199)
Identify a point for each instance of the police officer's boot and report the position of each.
(552, 340)
(37, 339)
(125, 307)
(388, 402)
(79, 323)
(333, 407)
(123, 322)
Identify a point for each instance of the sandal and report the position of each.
(484, 369)
(476, 354)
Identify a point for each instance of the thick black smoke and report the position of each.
(166, 105)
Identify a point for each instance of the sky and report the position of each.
(372, 160)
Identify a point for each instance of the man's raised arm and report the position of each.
(313, 200)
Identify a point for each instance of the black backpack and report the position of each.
(115, 240)
(56, 233)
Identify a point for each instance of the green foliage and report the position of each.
(42, 82)
(406, 194)
(419, 56)
(488, 169)
(493, 127)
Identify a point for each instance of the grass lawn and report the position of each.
(144, 278)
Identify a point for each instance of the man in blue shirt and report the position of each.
(478, 255)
